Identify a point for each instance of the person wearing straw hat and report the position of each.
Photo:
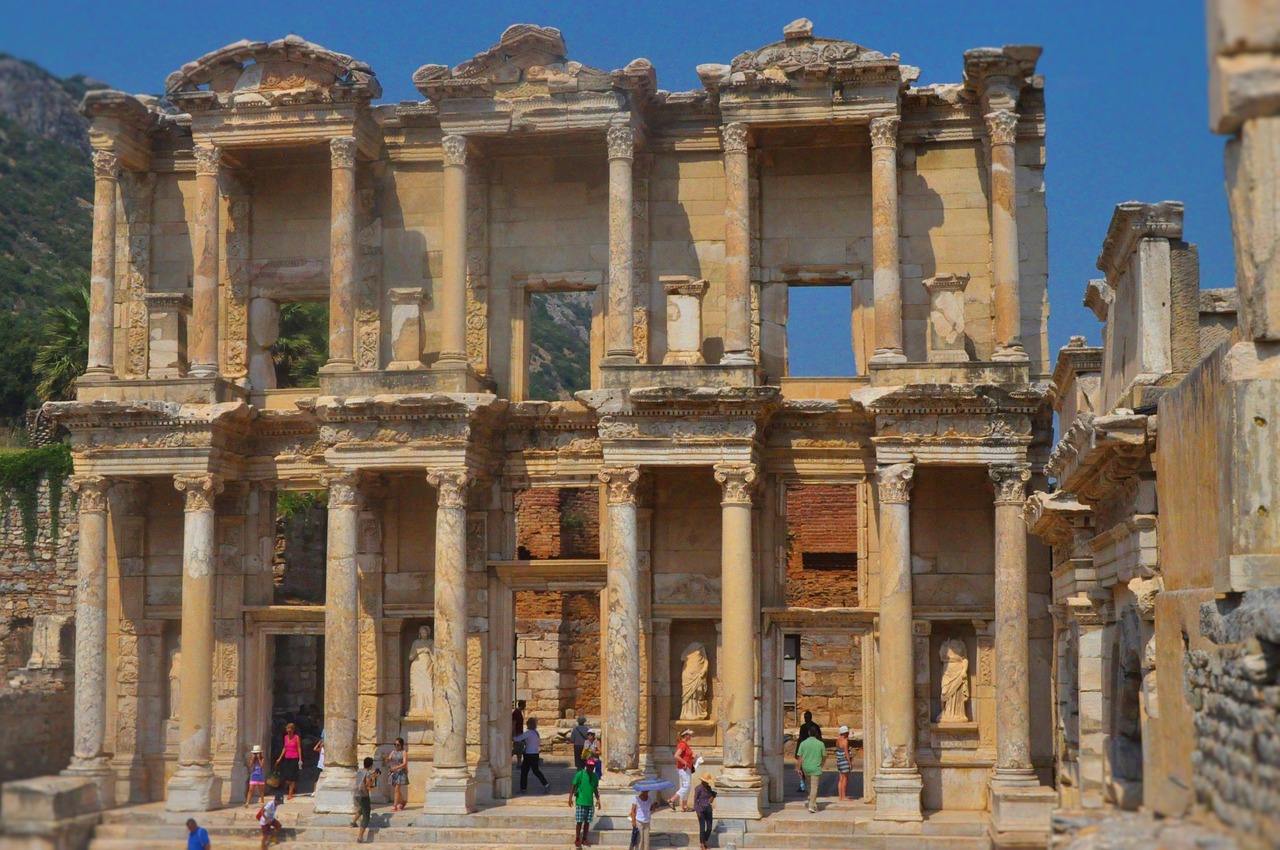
(257, 778)
(684, 767)
(703, 797)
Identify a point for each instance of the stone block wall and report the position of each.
(558, 653)
(822, 520)
(36, 718)
(829, 681)
(38, 581)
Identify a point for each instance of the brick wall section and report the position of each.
(829, 681)
(45, 584)
(821, 519)
(558, 653)
(558, 522)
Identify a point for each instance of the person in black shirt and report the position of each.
(808, 729)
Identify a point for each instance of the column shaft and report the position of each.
(620, 327)
(342, 256)
(737, 245)
(1002, 132)
(622, 629)
(202, 344)
(738, 612)
(102, 273)
(341, 606)
(91, 623)
(887, 276)
(453, 295)
(1013, 692)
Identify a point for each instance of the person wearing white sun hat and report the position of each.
(842, 763)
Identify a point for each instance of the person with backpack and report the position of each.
(267, 820)
(197, 836)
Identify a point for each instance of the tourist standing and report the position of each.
(319, 748)
(366, 778)
(289, 762)
(532, 756)
(810, 755)
(578, 737)
(641, 813)
(197, 836)
(843, 763)
(808, 729)
(703, 797)
(397, 761)
(584, 796)
(591, 750)
(257, 778)
(517, 729)
(267, 820)
(684, 768)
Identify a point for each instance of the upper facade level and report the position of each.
(677, 227)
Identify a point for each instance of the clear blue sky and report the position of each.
(1125, 80)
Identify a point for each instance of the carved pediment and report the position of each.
(260, 73)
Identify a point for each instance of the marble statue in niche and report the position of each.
(175, 683)
(955, 681)
(693, 682)
(422, 665)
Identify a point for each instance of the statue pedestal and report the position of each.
(418, 730)
(954, 735)
(705, 733)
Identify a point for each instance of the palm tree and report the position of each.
(303, 344)
(64, 347)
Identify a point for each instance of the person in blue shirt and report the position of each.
(197, 836)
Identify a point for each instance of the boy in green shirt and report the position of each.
(810, 755)
(584, 796)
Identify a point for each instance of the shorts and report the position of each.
(584, 814)
(266, 828)
(364, 809)
(400, 777)
(257, 785)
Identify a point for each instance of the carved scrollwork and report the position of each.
(451, 487)
(1002, 126)
(343, 486)
(737, 483)
(455, 151)
(735, 137)
(623, 484)
(93, 490)
(208, 159)
(200, 490)
(622, 142)
(342, 152)
(884, 131)
(106, 164)
(894, 482)
(1010, 480)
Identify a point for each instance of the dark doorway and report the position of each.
(298, 698)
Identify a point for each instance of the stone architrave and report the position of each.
(195, 787)
(453, 290)
(684, 320)
(342, 255)
(737, 244)
(203, 338)
(620, 343)
(406, 327)
(886, 274)
(1002, 132)
(946, 318)
(102, 272)
(622, 626)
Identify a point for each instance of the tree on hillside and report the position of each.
(64, 348)
(303, 345)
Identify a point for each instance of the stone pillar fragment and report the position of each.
(406, 327)
(203, 346)
(167, 332)
(684, 320)
(452, 789)
(740, 783)
(342, 256)
(1013, 691)
(946, 318)
(341, 644)
(897, 782)
(622, 628)
(102, 271)
(737, 245)
(620, 343)
(195, 788)
(1002, 132)
(453, 292)
(886, 274)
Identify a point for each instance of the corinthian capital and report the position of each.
(623, 484)
(106, 164)
(92, 490)
(735, 137)
(451, 487)
(1010, 480)
(894, 482)
(200, 490)
(884, 131)
(343, 486)
(342, 152)
(1002, 126)
(622, 142)
(737, 482)
(208, 159)
(455, 151)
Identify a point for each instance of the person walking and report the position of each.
(517, 729)
(703, 798)
(197, 836)
(684, 768)
(397, 762)
(810, 755)
(289, 762)
(257, 777)
(366, 779)
(578, 737)
(532, 756)
(641, 814)
(843, 768)
(319, 748)
(267, 820)
(808, 729)
(584, 796)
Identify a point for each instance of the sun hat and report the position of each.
(844, 730)
(257, 750)
(706, 777)
(686, 733)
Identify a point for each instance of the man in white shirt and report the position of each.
(641, 812)
(267, 820)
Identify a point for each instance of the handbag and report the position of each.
(635, 837)
(273, 778)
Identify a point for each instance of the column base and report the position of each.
(334, 793)
(1021, 814)
(338, 366)
(1011, 353)
(96, 375)
(194, 788)
(898, 794)
(888, 355)
(99, 772)
(452, 792)
(456, 376)
(740, 793)
(203, 371)
(737, 358)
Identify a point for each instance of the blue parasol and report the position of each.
(653, 784)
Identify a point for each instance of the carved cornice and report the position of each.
(1099, 453)
(455, 151)
(1076, 358)
(884, 131)
(342, 152)
(621, 140)
(1098, 297)
(893, 483)
(947, 283)
(737, 482)
(343, 486)
(1002, 127)
(93, 491)
(736, 137)
(106, 165)
(622, 483)
(208, 159)
(451, 487)
(1131, 222)
(199, 490)
(1057, 518)
(1010, 480)
(290, 65)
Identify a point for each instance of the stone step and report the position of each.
(444, 837)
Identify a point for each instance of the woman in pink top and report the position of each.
(290, 759)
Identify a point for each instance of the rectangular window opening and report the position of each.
(559, 335)
(820, 332)
(829, 560)
(302, 346)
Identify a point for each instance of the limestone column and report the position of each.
(1013, 692)
(102, 271)
(341, 643)
(886, 274)
(622, 627)
(740, 780)
(452, 790)
(88, 758)
(897, 781)
(195, 788)
(1002, 127)
(453, 294)
(737, 245)
(202, 332)
(342, 261)
(620, 344)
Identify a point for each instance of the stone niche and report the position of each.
(684, 320)
(417, 724)
(953, 664)
(685, 635)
